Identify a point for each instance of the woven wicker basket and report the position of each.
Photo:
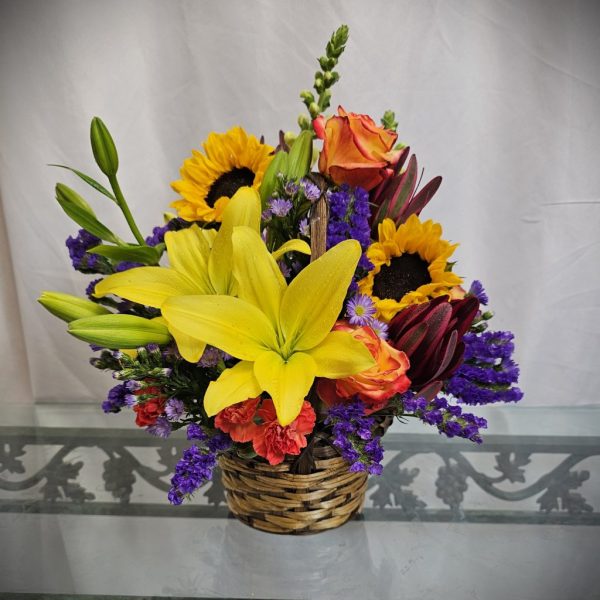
(272, 499)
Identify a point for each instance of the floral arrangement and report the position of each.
(297, 295)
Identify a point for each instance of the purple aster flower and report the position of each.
(304, 228)
(380, 328)
(280, 207)
(285, 270)
(360, 310)
(162, 428)
(477, 290)
(212, 357)
(174, 409)
(311, 190)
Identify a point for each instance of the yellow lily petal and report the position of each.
(242, 209)
(188, 252)
(231, 324)
(147, 285)
(287, 382)
(340, 355)
(313, 300)
(259, 279)
(233, 385)
(190, 348)
(291, 246)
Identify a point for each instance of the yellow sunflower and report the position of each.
(410, 266)
(230, 161)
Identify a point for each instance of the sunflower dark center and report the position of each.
(405, 274)
(228, 184)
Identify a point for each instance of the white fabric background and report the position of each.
(501, 98)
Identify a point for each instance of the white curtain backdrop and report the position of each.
(499, 97)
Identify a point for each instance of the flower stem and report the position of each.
(125, 209)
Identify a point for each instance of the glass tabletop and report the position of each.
(84, 514)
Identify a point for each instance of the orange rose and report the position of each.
(355, 150)
(376, 385)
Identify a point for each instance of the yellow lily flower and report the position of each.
(282, 334)
(200, 263)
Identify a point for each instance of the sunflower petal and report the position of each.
(147, 285)
(233, 385)
(259, 279)
(233, 325)
(340, 355)
(313, 300)
(242, 209)
(287, 382)
(291, 246)
(188, 252)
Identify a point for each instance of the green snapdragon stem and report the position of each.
(125, 209)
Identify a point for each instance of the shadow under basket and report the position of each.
(272, 499)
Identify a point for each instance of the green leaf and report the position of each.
(142, 254)
(278, 165)
(119, 331)
(97, 186)
(81, 212)
(300, 156)
(103, 147)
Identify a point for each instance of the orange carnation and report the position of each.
(376, 385)
(273, 442)
(355, 151)
(238, 420)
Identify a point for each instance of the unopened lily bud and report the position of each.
(69, 308)
(103, 148)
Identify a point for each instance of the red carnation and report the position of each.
(148, 411)
(273, 442)
(238, 420)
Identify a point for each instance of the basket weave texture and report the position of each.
(272, 499)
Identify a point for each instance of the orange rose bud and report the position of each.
(376, 385)
(356, 150)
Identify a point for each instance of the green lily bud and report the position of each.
(104, 148)
(279, 164)
(70, 308)
(119, 331)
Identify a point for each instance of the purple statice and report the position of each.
(116, 399)
(174, 409)
(304, 228)
(285, 270)
(310, 189)
(81, 259)
(349, 214)
(197, 464)
(449, 419)
(280, 207)
(488, 373)
(195, 432)
(162, 428)
(353, 437)
(477, 290)
(360, 310)
(125, 265)
(158, 233)
(89, 290)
